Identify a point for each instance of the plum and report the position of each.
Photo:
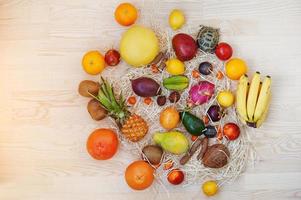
(145, 87)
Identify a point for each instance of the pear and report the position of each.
(174, 141)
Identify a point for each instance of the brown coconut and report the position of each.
(216, 156)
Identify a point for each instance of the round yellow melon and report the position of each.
(139, 46)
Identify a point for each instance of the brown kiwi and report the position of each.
(153, 153)
(88, 87)
(96, 111)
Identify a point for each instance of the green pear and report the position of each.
(174, 142)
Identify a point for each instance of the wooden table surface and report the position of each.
(44, 123)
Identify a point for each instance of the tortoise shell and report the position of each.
(207, 39)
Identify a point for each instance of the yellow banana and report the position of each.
(263, 98)
(265, 112)
(252, 96)
(241, 97)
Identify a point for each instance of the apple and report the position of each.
(184, 46)
(112, 57)
(231, 131)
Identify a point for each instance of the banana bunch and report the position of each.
(253, 100)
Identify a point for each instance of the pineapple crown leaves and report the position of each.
(107, 98)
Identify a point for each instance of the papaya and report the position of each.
(193, 124)
(173, 142)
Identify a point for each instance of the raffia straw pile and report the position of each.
(241, 150)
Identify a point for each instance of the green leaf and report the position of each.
(104, 101)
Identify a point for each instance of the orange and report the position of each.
(102, 144)
(139, 175)
(93, 62)
(169, 118)
(235, 68)
(126, 14)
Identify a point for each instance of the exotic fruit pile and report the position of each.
(183, 107)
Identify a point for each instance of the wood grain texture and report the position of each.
(44, 123)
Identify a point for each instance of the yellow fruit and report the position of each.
(235, 68)
(139, 46)
(169, 118)
(210, 188)
(225, 99)
(176, 19)
(93, 62)
(175, 67)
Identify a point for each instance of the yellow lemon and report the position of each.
(175, 67)
(235, 68)
(93, 62)
(176, 19)
(139, 46)
(225, 98)
(210, 188)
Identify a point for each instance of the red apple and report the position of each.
(175, 176)
(231, 131)
(112, 57)
(184, 46)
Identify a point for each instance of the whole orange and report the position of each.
(126, 14)
(139, 175)
(102, 144)
(235, 68)
(169, 118)
(93, 62)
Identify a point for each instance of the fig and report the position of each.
(184, 46)
(153, 153)
(161, 100)
(145, 87)
(174, 97)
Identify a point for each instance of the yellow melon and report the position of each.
(139, 46)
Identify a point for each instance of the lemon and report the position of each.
(139, 46)
(175, 67)
(225, 99)
(235, 68)
(210, 188)
(176, 19)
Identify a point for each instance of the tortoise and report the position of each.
(207, 39)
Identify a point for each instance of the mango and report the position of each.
(174, 141)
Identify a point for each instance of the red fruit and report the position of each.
(112, 57)
(231, 131)
(223, 51)
(175, 176)
(184, 46)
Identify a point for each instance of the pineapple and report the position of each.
(132, 126)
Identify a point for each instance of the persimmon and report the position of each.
(139, 175)
(126, 14)
(102, 144)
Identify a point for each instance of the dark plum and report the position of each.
(214, 113)
(210, 131)
(205, 68)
